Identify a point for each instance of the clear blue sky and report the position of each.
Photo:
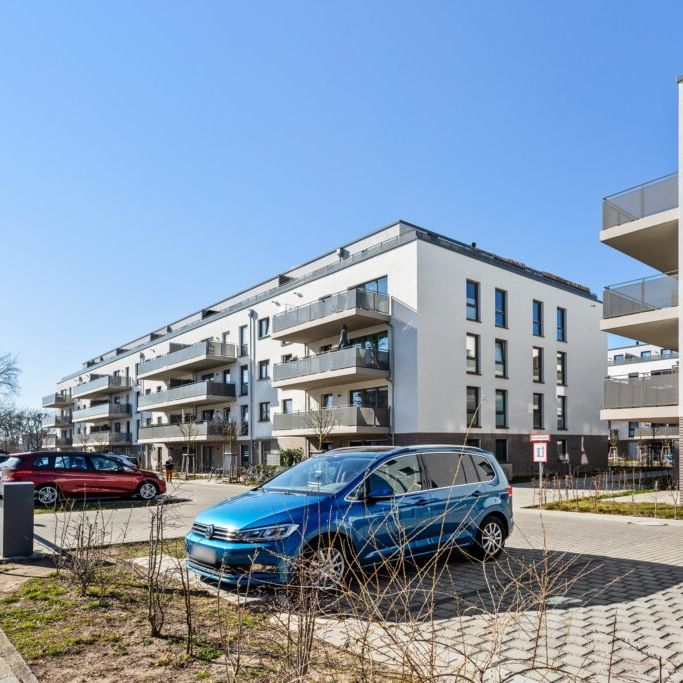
(157, 156)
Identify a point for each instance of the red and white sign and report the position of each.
(539, 438)
(540, 451)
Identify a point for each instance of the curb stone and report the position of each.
(19, 670)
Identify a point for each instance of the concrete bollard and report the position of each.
(16, 520)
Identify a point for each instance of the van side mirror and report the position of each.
(378, 489)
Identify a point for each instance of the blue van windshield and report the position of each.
(325, 474)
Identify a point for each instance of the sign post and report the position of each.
(539, 444)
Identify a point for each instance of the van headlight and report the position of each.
(266, 533)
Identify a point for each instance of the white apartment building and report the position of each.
(646, 441)
(642, 222)
(446, 343)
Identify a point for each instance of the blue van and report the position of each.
(355, 507)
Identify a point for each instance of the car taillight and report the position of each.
(7, 473)
(509, 490)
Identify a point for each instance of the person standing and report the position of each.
(169, 466)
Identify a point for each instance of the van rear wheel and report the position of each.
(490, 539)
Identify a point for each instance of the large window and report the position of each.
(377, 397)
(379, 341)
(472, 353)
(263, 369)
(444, 469)
(473, 413)
(286, 406)
(561, 369)
(472, 306)
(244, 380)
(537, 310)
(561, 324)
(264, 411)
(327, 401)
(537, 363)
(379, 285)
(501, 308)
(632, 426)
(263, 327)
(501, 450)
(562, 412)
(537, 409)
(400, 475)
(244, 345)
(501, 358)
(501, 408)
(244, 418)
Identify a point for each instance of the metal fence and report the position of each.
(334, 360)
(341, 416)
(638, 202)
(188, 391)
(335, 303)
(218, 350)
(641, 392)
(648, 294)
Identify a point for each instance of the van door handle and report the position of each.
(421, 501)
(477, 493)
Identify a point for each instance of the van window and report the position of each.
(444, 469)
(485, 471)
(401, 474)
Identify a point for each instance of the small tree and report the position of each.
(33, 432)
(229, 431)
(189, 429)
(322, 421)
(9, 374)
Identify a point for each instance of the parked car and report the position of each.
(56, 475)
(355, 507)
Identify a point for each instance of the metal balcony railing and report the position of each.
(334, 360)
(339, 416)
(626, 360)
(641, 392)
(335, 303)
(216, 350)
(187, 392)
(112, 410)
(638, 202)
(104, 383)
(648, 294)
(188, 431)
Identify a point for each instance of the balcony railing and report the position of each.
(187, 392)
(656, 433)
(337, 417)
(638, 202)
(106, 384)
(104, 438)
(328, 362)
(335, 303)
(113, 410)
(188, 431)
(626, 360)
(649, 391)
(53, 441)
(56, 400)
(221, 353)
(56, 422)
(649, 294)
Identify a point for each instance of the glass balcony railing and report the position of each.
(102, 410)
(648, 391)
(104, 384)
(628, 359)
(649, 294)
(187, 392)
(211, 350)
(56, 400)
(328, 362)
(638, 202)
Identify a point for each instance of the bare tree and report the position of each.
(33, 432)
(9, 374)
(321, 421)
(229, 431)
(189, 429)
(11, 425)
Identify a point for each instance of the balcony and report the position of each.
(52, 441)
(336, 367)
(102, 386)
(643, 223)
(196, 393)
(169, 433)
(56, 401)
(102, 412)
(337, 420)
(98, 440)
(647, 398)
(645, 309)
(199, 356)
(356, 308)
(652, 358)
(657, 433)
(56, 422)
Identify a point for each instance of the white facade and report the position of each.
(408, 386)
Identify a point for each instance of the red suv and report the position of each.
(75, 474)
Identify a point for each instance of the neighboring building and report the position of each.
(442, 335)
(649, 440)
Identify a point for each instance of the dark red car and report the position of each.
(56, 474)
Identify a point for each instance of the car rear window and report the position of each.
(42, 462)
(12, 462)
(483, 467)
(444, 469)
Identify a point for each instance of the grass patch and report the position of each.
(602, 505)
(175, 547)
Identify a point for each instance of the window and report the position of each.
(473, 418)
(561, 369)
(501, 450)
(70, 462)
(327, 401)
(537, 327)
(379, 285)
(646, 354)
(444, 469)
(244, 380)
(537, 364)
(263, 369)
(501, 408)
(472, 300)
(562, 412)
(562, 453)
(264, 412)
(104, 464)
(538, 411)
(286, 406)
(41, 462)
(375, 397)
(472, 353)
(244, 346)
(632, 426)
(263, 327)
(244, 418)
(286, 358)
(501, 308)
(501, 358)
(226, 377)
(207, 415)
(561, 324)
(667, 353)
(618, 358)
(244, 454)
(401, 475)
(482, 467)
